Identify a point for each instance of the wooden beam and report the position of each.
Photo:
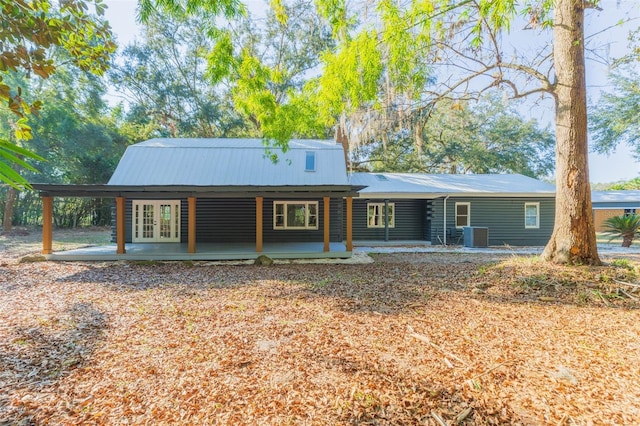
(259, 224)
(349, 223)
(327, 213)
(120, 202)
(47, 225)
(191, 227)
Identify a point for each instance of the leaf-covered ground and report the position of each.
(409, 339)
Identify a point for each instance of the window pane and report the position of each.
(531, 216)
(295, 215)
(310, 162)
(313, 221)
(462, 215)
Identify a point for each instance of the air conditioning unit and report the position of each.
(475, 236)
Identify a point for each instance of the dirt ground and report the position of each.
(413, 338)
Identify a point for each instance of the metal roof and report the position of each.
(229, 162)
(615, 199)
(416, 185)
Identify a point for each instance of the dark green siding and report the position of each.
(503, 216)
(220, 220)
(233, 220)
(411, 221)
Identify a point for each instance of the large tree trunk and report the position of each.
(7, 223)
(573, 239)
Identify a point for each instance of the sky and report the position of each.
(602, 168)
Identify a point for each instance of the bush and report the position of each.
(623, 226)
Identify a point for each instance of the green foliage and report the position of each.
(351, 76)
(465, 137)
(615, 119)
(622, 186)
(12, 154)
(32, 33)
(625, 227)
(270, 69)
(164, 79)
(181, 8)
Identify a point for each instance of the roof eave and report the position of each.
(158, 191)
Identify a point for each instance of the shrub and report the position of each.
(623, 226)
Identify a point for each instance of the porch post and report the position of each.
(259, 224)
(47, 224)
(191, 226)
(327, 210)
(120, 226)
(349, 223)
(386, 220)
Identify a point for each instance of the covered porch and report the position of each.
(190, 248)
(204, 251)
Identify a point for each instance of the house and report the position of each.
(222, 199)
(607, 204)
(517, 210)
(216, 199)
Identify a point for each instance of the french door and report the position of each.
(156, 221)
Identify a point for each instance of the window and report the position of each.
(375, 215)
(463, 214)
(310, 162)
(532, 215)
(295, 215)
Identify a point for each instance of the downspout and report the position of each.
(444, 218)
(386, 220)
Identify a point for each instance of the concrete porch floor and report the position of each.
(204, 251)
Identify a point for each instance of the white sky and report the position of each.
(618, 166)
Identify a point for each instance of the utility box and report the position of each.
(475, 236)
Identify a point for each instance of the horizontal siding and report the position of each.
(224, 220)
(503, 216)
(410, 221)
(233, 220)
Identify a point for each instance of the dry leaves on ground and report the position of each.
(409, 339)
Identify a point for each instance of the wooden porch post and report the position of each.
(47, 224)
(349, 223)
(191, 226)
(120, 249)
(259, 224)
(327, 210)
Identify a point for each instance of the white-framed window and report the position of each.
(295, 215)
(532, 215)
(463, 214)
(375, 215)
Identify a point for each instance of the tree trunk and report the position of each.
(7, 223)
(573, 240)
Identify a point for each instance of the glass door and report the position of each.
(156, 221)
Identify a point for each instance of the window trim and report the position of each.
(392, 216)
(306, 216)
(537, 206)
(455, 213)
